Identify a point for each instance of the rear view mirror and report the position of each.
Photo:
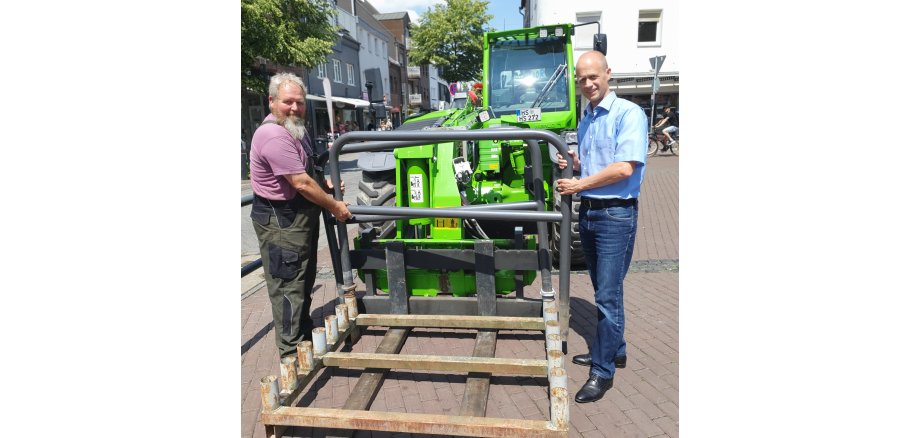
(600, 43)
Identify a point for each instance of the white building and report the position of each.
(636, 30)
(437, 89)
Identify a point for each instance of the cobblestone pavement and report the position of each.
(642, 403)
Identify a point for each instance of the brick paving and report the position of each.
(642, 403)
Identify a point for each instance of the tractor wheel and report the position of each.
(578, 256)
(378, 189)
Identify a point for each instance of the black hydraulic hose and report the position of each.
(328, 224)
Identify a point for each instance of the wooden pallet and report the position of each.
(278, 394)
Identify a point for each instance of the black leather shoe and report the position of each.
(585, 360)
(593, 389)
(582, 359)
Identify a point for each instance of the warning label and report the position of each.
(416, 191)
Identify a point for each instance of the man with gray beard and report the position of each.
(287, 196)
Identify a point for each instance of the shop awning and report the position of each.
(642, 82)
(357, 103)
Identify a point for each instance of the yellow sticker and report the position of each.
(447, 222)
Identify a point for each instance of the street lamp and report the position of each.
(264, 76)
(370, 85)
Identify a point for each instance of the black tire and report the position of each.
(674, 147)
(578, 255)
(653, 146)
(378, 189)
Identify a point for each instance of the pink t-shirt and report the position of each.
(274, 154)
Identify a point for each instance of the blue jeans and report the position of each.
(607, 237)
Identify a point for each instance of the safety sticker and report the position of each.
(416, 192)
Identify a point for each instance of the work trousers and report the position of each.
(287, 242)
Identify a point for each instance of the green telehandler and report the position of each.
(528, 82)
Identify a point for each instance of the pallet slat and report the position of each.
(460, 364)
(452, 321)
(451, 425)
(476, 394)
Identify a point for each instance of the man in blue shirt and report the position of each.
(612, 142)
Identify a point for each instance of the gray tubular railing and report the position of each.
(376, 141)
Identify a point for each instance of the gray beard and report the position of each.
(295, 125)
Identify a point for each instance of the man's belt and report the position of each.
(297, 203)
(595, 204)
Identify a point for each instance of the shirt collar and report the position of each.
(605, 103)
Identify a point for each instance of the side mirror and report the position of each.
(600, 43)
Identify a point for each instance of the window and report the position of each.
(368, 42)
(321, 70)
(336, 71)
(350, 69)
(584, 35)
(650, 28)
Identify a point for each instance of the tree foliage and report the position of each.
(451, 36)
(285, 32)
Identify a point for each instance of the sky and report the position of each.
(505, 12)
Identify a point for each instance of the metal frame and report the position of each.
(399, 312)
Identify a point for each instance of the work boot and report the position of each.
(593, 389)
(585, 360)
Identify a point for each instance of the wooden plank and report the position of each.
(452, 321)
(371, 380)
(304, 378)
(451, 425)
(476, 394)
(461, 364)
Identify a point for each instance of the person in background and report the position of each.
(287, 198)
(670, 120)
(612, 142)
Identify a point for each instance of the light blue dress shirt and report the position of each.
(616, 130)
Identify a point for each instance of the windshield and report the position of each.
(520, 70)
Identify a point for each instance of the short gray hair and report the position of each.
(281, 79)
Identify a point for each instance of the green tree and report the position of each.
(451, 36)
(286, 32)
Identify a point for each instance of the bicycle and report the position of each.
(657, 142)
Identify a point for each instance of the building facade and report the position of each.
(397, 24)
(342, 67)
(636, 30)
(438, 93)
(376, 43)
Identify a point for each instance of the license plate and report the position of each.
(528, 115)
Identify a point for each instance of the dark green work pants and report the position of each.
(288, 233)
